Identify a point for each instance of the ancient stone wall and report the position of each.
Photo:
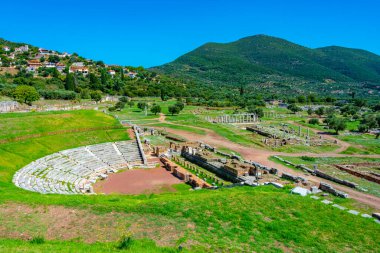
(359, 174)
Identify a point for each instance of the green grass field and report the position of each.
(232, 220)
(242, 219)
(364, 144)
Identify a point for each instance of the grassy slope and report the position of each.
(256, 219)
(261, 219)
(16, 154)
(20, 124)
(137, 246)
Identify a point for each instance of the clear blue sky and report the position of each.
(149, 33)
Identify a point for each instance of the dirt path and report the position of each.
(162, 118)
(262, 156)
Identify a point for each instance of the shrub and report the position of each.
(314, 121)
(125, 242)
(308, 158)
(58, 94)
(37, 240)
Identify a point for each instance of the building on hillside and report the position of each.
(49, 64)
(132, 74)
(60, 67)
(33, 65)
(11, 56)
(78, 64)
(78, 69)
(111, 72)
(63, 55)
(43, 51)
(6, 49)
(22, 49)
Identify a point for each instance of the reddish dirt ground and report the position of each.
(138, 181)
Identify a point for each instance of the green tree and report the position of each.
(53, 58)
(124, 99)
(180, 104)
(155, 109)
(301, 99)
(320, 111)
(120, 105)
(338, 124)
(26, 94)
(257, 110)
(310, 111)
(70, 82)
(293, 108)
(94, 81)
(314, 121)
(142, 105)
(131, 103)
(122, 74)
(174, 109)
(96, 96)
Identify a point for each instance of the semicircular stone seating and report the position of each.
(73, 171)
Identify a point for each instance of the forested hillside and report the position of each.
(276, 64)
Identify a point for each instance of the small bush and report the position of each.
(124, 243)
(38, 240)
(314, 121)
(308, 158)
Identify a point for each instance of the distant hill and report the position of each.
(272, 62)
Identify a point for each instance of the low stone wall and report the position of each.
(328, 188)
(184, 174)
(358, 174)
(293, 178)
(255, 130)
(334, 179)
(220, 171)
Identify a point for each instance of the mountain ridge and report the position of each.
(262, 58)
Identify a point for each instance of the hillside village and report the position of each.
(56, 75)
(36, 60)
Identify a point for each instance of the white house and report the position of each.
(49, 65)
(78, 69)
(60, 67)
(22, 49)
(78, 64)
(6, 49)
(43, 51)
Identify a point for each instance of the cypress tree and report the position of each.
(70, 82)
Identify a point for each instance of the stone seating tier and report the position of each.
(70, 171)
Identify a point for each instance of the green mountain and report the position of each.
(263, 61)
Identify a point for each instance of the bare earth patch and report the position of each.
(61, 223)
